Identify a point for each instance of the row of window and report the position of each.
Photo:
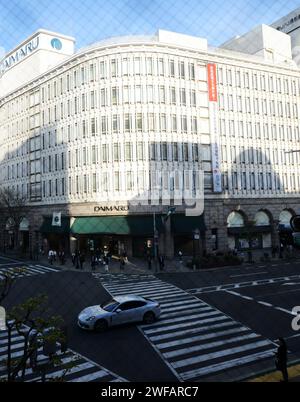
(260, 156)
(258, 130)
(117, 181)
(252, 105)
(260, 181)
(258, 81)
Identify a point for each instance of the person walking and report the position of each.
(93, 262)
(50, 256)
(149, 261)
(81, 260)
(125, 256)
(122, 263)
(281, 359)
(73, 258)
(161, 260)
(106, 262)
(180, 256)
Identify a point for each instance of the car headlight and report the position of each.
(91, 318)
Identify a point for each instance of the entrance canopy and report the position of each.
(116, 225)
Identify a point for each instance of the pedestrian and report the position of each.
(281, 359)
(273, 252)
(50, 256)
(81, 260)
(106, 261)
(93, 262)
(125, 256)
(73, 258)
(149, 262)
(54, 255)
(161, 261)
(180, 256)
(122, 263)
(77, 256)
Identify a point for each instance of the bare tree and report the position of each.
(12, 206)
(37, 328)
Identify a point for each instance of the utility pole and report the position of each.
(155, 242)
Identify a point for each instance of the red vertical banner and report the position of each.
(212, 82)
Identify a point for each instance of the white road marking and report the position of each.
(221, 353)
(184, 329)
(254, 273)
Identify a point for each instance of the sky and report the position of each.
(92, 20)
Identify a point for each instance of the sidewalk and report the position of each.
(276, 376)
(133, 266)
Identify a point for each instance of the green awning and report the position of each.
(116, 225)
(48, 228)
(181, 224)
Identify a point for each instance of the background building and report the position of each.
(121, 130)
(290, 24)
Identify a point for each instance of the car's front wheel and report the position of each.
(101, 326)
(149, 317)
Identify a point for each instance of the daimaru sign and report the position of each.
(19, 55)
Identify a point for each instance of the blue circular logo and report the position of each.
(56, 44)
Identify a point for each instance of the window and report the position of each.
(113, 68)
(182, 97)
(149, 66)
(115, 96)
(172, 68)
(173, 95)
(127, 122)
(137, 65)
(139, 122)
(128, 151)
(161, 67)
(191, 71)
(181, 70)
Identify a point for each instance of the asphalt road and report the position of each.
(123, 350)
(259, 297)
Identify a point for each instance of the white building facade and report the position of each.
(125, 129)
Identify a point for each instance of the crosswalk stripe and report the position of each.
(48, 268)
(193, 330)
(179, 352)
(215, 368)
(159, 324)
(202, 338)
(83, 370)
(192, 333)
(189, 311)
(91, 377)
(222, 353)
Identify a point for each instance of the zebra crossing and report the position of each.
(79, 368)
(196, 341)
(18, 271)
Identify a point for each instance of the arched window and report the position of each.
(24, 224)
(10, 223)
(285, 218)
(235, 220)
(262, 219)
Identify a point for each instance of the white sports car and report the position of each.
(117, 311)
